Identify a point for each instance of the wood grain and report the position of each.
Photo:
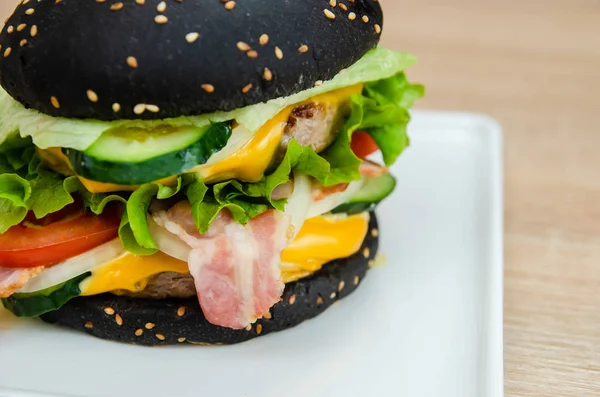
(535, 66)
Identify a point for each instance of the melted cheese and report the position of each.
(247, 164)
(130, 272)
(321, 240)
(250, 163)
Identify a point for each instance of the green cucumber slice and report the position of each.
(373, 192)
(37, 303)
(137, 157)
(136, 145)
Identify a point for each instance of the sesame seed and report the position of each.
(116, 107)
(320, 300)
(249, 327)
(329, 14)
(116, 6)
(139, 109)
(109, 310)
(152, 108)
(332, 296)
(243, 46)
(139, 332)
(332, 3)
(366, 252)
(278, 53)
(21, 27)
(268, 316)
(89, 325)
(230, 5)
(92, 96)
(140, 2)
(352, 16)
(247, 89)
(343, 6)
(208, 88)
(377, 28)
(161, 19)
(259, 329)
(29, 11)
(181, 340)
(192, 37)
(23, 43)
(374, 232)
(56, 104)
(356, 280)
(318, 83)
(34, 31)
(292, 299)
(132, 62)
(252, 54)
(161, 7)
(119, 320)
(365, 19)
(181, 311)
(341, 286)
(264, 39)
(10, 29)
(303, 49)
(160, 337)
(150, 325)
(268, 75)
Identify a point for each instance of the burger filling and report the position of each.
(228, 207)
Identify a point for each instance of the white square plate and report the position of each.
(427, 324)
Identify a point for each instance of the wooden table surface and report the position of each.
(535, 66)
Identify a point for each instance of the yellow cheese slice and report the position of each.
(321, 240)
(130, 272)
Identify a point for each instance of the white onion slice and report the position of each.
(332, 201)
(299, 203)
(167, 242)
(75, 266)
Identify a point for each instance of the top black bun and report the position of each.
(100, 58)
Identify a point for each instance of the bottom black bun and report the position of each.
(175, 321)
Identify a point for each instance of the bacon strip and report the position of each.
(372, 169)
(12, 280)
(235, 267)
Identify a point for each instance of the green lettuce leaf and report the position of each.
(134, 231)
(27, 185)
(47, 131)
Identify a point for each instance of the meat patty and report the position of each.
(313, 124)
(165, 285)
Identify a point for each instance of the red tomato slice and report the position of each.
(74, 234)
(363, 145)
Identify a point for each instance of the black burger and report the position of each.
(193, 171)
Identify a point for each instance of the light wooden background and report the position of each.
(535, 66)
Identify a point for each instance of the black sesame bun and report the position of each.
(174, 321)
(107, 60)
